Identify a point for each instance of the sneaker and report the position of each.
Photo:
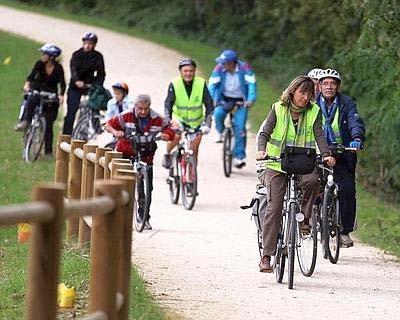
(265, 264)
(218, 139)
(21, 126)
(346, 241)
(166, 162)
(147, 225)
(239, 163)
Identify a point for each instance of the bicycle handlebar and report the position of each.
(44, 94)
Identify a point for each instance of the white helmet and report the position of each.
(314, 73)
(329, 73)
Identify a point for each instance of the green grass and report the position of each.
(16, 181)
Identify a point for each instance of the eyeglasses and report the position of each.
(332, 84)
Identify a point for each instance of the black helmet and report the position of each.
(186, 61)
(89, 36)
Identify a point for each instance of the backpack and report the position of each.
(258, 206)
(98, 97)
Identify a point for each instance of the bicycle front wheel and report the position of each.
(291, 243)
(35, 138)
(174, 179)
(227, 152)
(81, 130)
(280, 258)
(142, 199)
(331, 226)
(307, 248)
(188, 182)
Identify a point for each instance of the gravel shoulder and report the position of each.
(203, 264)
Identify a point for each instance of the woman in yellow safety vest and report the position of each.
(294, 120)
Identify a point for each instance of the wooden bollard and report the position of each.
(106, 239)
(44, 256)
(108, 157)
(98, 169)
(124, 260)
(74, 184)
(118, 165)
(86, 191)
(62, 160)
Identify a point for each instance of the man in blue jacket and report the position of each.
(233, 82)
(342, 125)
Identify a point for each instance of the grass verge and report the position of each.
(16, 181)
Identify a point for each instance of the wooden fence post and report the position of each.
(108, 157)
(74, 184)
(44, 256)
(117, 165)
(86, 191)
(124, 261)
(98, 169)
(62, 160)
(106, 238)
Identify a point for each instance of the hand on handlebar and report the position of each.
(205, 129)
(164, 137)
(27, 87)
(356, 144)
(80, 84)
(330, 161)
(61, 99)
(119, 134)
(261, 155)
(248, 104)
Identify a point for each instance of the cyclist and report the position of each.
(293, 120)
(87, 67)
(187, 94)
(232, 81)
(47, 75)
(342, 125)
(144, 119)
(314, 75)
(120, 102)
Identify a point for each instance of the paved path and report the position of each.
(203, 264)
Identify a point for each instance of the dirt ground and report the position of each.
(203, 264)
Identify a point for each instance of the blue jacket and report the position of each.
(351, 125)
(112, 107)
(247, 79)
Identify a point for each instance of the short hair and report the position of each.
(142, 98)
(303, 82)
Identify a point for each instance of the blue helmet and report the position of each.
(50, 49)
(89, 36)
(227, 56)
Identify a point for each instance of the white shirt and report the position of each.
(232, 87)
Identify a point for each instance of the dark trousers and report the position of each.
(73, 100)
(344, 175)
(50, 111)
(141, 186)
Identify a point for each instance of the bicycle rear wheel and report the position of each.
(307, 248)
(227, 152)
(35, 138)
(142, 199)
(174, 179)
(291, 243)
(81, 130)
(331, 226)
(188, 182)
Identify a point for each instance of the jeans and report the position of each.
(141, 187)
(73, 100)
(239, 127)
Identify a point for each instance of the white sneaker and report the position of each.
(218, 139)
(346, 241)
(239, 163)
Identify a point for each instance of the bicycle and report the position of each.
(34, 136)
(182, 178)
(328, 211)
(142, 144)
(89, 121)
(227, 145)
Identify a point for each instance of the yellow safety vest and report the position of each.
(284, 133)
(189, 110)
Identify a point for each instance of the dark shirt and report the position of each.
(87, 67)
(170, 101)
(41, 81)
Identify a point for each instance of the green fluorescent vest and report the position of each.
(189, 110)
(335, 126)
(284, 133)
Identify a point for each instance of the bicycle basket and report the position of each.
(98, 97)
(298, 160)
